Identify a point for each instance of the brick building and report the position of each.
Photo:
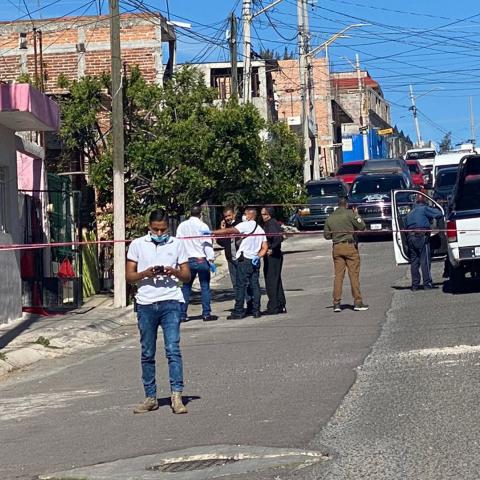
(329, 114)
(74, 47)
(367, 107)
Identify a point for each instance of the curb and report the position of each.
(76, 337)
(62, 342)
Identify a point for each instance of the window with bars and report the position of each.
(3, 200)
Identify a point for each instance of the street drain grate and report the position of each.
(191, 465)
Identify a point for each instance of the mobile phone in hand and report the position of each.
(158, 269)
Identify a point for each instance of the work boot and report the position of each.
(148, 405)
(177, 404)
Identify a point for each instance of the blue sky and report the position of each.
(433, 45)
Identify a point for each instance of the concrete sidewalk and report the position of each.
(34, 337)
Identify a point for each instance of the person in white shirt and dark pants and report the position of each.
(200, 260)
(155, 262)
(252, 248)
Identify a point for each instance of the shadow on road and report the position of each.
(290, 252)
(10, 335)
(469, 285)
(400, 288)
(166, 401)
(374, 237)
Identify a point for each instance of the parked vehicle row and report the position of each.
(368, 185)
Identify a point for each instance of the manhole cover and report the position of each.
(190, 465)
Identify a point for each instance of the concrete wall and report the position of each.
(262, 99)
(10, 283)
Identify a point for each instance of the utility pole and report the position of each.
(413, 108)
(119, 284)
(233, 55)
(311, 113)
(247, 51)
(472, 123)
(361, 93)
(247, 18)
(303, 89)
(35, 58)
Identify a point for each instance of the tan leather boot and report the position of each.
(149, 404)
(177, 404)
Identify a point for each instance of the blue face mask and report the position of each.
(160, 239)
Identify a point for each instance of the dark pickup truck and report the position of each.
(371, 195)
(322, 201)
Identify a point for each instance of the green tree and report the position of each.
(180, 148)
(282, 178)
(446, 143)
(81, 112)
(288, 55)
(269, 54)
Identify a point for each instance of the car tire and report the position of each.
(456, 278)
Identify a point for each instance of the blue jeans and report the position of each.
(232, 270)
(247, 278)
(201, 268)
(166, 315)
(419, 253)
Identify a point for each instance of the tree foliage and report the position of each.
(180, 148)
(446, 143)
(270, 54)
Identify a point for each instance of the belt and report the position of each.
(345, 241)
(418, 234)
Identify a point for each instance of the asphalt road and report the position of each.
(280, 381)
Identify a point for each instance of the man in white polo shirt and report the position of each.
(253, 247)
(155, 262)
(200, 260)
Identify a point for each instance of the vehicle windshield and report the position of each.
(370, 185)
(347, 169)
(325, 190)
(413, 167)
(446, 178)
(420, 155)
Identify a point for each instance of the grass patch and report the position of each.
(3, 356)
(43, 341)
(46, 343)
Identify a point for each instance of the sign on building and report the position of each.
(347, 144)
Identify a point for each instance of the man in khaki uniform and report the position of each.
(339, 228)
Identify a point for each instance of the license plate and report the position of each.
(376, 226)
(477, 251)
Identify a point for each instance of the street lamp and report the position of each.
(334, 37)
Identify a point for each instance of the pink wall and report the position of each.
(22, 97)
(30, 174)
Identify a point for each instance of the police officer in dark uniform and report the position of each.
(230, 245)
(339, 228)
(419, 220)
(272, 263)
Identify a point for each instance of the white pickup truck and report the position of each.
(463, 223)
(457, 235)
